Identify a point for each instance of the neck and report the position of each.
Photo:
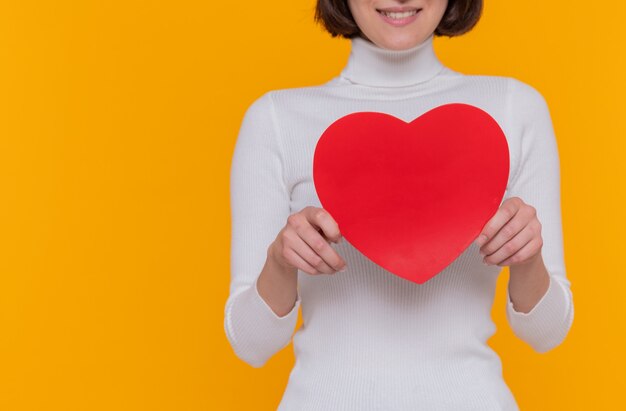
(371, 65)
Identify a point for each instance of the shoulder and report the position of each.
(525, 98)
(491, 90)
(482, 79)
(259, 116)
(294, 97)
(509, 87)
(522, 101)
(285, 97)
(529, 114)
(260, 106)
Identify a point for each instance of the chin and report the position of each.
(398, 42)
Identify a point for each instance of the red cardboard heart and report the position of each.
(412, 196)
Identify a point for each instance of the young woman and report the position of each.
(371, 340)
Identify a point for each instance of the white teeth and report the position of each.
(401, 15)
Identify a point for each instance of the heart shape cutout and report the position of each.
(413, 196)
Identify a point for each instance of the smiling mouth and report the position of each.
(398, 15)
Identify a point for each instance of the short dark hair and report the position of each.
(459, 18)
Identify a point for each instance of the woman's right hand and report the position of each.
(304, 243)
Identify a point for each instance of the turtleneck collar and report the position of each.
(371, 65)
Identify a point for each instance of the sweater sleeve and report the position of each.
(259, 202)
(537, 182)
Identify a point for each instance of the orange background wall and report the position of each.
(117, 125)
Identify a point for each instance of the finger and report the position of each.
(318, 217)
(299, 223)
(505, 213)
(296, 260)
(322, 219)
(510, 229)
(321, 255)
(305, 251)
(511, 247)
(527, 251)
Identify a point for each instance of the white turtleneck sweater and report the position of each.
(371, 340)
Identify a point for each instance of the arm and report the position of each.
(537, 182)
(259, 202)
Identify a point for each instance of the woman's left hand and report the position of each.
(512, 236)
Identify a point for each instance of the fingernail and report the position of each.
(343, 269)
(481, 239)
(482, 254)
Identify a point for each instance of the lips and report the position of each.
(398, 12)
